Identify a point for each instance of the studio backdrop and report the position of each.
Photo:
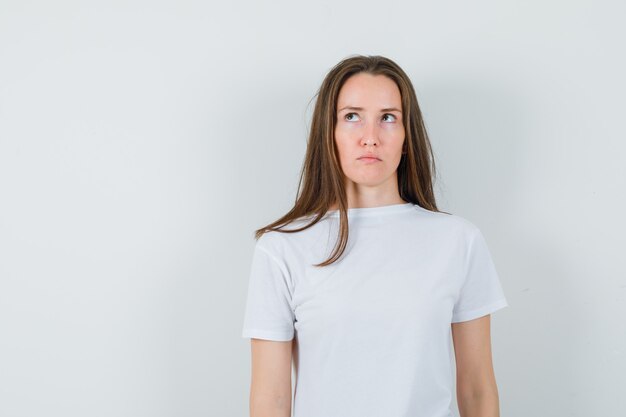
(142, 143)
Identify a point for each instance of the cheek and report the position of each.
(393, 128)
(343, 139)
(342, 149)
(343, 130)
(394, 135)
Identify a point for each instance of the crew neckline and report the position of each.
(374, 211)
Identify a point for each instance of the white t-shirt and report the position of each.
(372, 330)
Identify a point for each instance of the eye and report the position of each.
(389, 114)
(348, 115)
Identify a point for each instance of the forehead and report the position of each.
(367, 90)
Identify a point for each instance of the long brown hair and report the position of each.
(321, 177)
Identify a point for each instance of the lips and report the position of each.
(369, 156)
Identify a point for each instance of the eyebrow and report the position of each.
(361, 108)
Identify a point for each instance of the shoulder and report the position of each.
(279, 242)
(269, 242)
(450, 223)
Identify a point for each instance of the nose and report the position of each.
(370, 133)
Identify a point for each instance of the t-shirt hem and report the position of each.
(479, 312)
(267, 335)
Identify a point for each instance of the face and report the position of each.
(369, 133)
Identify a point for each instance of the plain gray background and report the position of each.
(141, 143)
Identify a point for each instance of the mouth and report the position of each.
(369, 159)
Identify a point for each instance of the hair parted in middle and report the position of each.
(321, 182)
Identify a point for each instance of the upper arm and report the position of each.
(472, 350)
(270, 388)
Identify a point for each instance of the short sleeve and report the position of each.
(268, 314)
(481, 292)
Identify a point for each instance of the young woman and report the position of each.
(365, 285)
